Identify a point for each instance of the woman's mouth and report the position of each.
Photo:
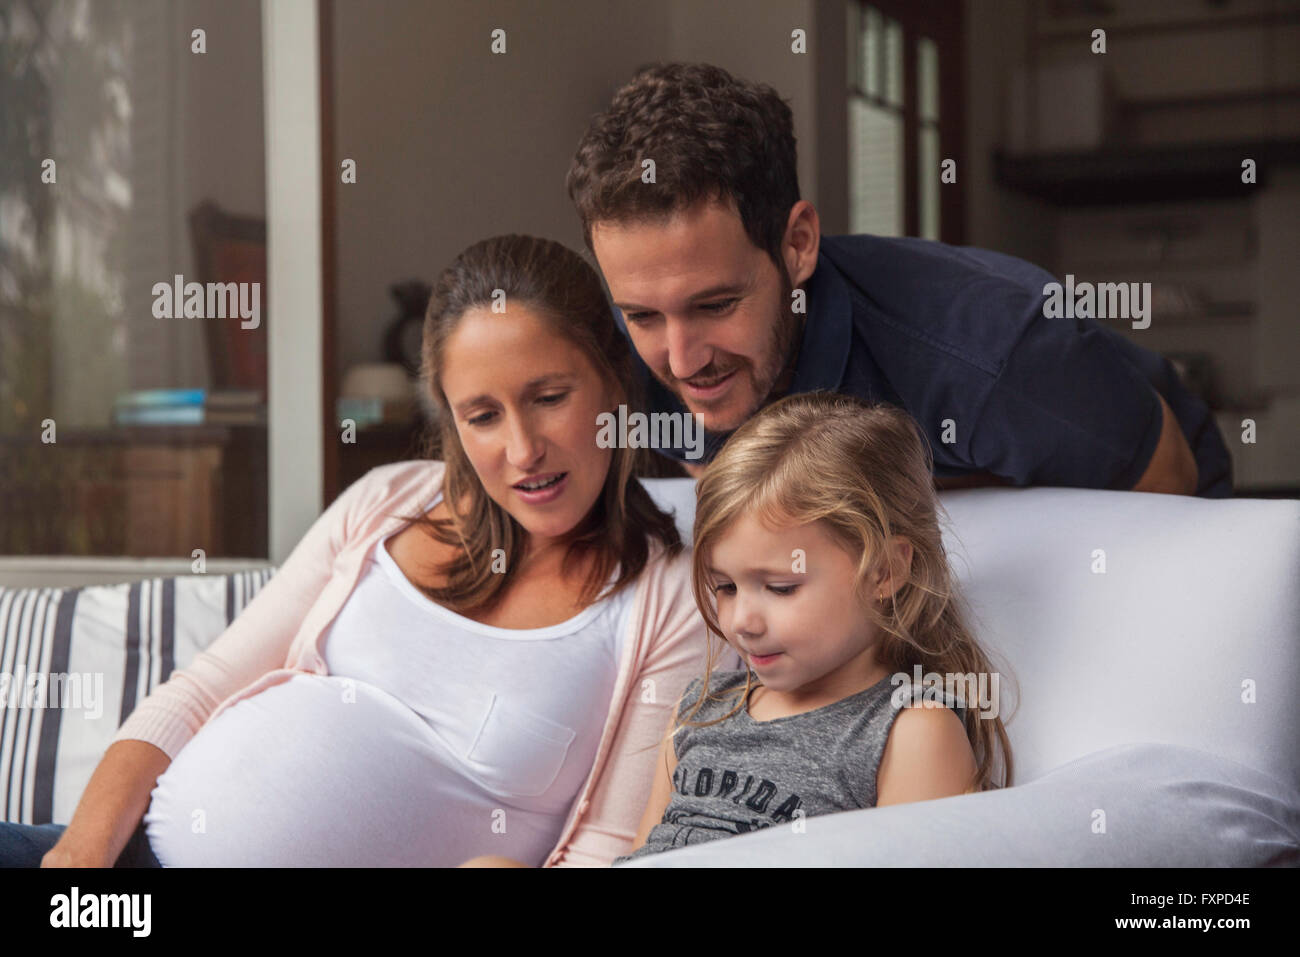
(541, 489)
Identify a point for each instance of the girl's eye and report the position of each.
(783, 589)
(719, 306)
(724, 589)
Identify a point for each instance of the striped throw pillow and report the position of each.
(75, 662)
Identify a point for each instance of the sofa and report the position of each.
(1152, 643)
(1154, 646)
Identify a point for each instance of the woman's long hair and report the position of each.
(565, 291)
(865, 473)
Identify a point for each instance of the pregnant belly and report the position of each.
(319, 771)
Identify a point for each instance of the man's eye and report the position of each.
(719, 306)
(635, 316)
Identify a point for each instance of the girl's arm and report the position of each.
(927, 756)
(660, 793)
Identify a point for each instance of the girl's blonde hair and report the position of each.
(865, 472)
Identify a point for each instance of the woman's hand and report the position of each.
(64, 854)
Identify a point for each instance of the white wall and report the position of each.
(454, 145)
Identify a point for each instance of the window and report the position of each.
(129, 158)
(904, 118)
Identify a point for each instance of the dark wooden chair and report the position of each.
(229, 248)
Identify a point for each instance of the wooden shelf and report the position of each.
(379, 444)
(137, 491)
(1140, 22)
(1122, 175)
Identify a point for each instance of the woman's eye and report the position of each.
(552, 399)
(480, 419)
(783, 589)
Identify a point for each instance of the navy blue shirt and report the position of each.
(958, 332)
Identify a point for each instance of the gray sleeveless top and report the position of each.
(741, 775)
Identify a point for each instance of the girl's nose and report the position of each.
(746, 620)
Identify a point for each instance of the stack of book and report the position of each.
(366, 411)
(190, 407)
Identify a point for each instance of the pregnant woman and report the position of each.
(461, 657)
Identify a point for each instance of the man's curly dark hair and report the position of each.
(711, 136)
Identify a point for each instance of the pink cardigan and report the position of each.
(279, 633)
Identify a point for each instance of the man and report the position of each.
(689, 200)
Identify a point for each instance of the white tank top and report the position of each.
(433, 739)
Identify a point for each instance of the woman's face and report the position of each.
(525, 402)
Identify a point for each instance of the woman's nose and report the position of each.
(524, 447)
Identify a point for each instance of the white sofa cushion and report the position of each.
(120, 642)
(1198, 605)
(1136, 805)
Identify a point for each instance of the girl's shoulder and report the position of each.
(722, 696)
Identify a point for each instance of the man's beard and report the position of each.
(786, 339)
(778, 371)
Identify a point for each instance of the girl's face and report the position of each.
(525, 402)
(786, 602)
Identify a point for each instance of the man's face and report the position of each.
(707, 310)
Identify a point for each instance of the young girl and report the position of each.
(818, 557)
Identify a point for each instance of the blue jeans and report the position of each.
(23, 845)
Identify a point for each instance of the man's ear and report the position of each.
(802, 241)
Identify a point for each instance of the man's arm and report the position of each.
(1172, 469)
(974, 480)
